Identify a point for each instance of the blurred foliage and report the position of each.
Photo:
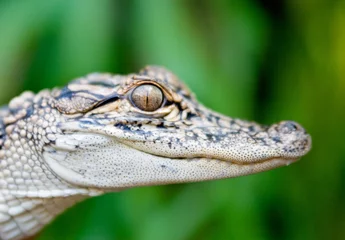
(259, 60)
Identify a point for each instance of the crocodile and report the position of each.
(106, 133)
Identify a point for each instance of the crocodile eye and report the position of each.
(147, 97)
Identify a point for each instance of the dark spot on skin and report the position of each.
(29, 111)
(169, 144)
(276, 139)
(251, 128)
(2, 132)
(103, 84)
(210, 137)
(89, 122)
(122, 126)
(289, 149)
(161, 125)
(191, 115)
(262, 140)
(178, 105)
(158, 139)
(217, 120)
(163, 166)
(2, 128)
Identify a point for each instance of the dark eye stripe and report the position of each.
(108, 99)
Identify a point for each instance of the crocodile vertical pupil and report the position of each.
(147, 97)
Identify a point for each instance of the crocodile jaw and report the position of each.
(103, 162)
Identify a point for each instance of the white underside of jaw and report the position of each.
(102, 162)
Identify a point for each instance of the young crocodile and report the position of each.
(106, 132)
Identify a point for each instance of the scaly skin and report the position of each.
(59, 147)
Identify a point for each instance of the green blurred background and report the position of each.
(254, 59)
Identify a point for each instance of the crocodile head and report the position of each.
(117, 131)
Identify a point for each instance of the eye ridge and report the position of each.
(147, 97)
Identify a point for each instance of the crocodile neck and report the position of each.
(31, 195)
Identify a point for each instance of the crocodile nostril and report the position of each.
(289, 127)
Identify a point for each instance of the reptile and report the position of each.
(105, 133)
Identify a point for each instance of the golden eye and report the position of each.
(147, 97)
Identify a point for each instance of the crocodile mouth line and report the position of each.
(209, 158)
(127, 142)
(234, 162)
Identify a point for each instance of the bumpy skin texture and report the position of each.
(59, 147)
